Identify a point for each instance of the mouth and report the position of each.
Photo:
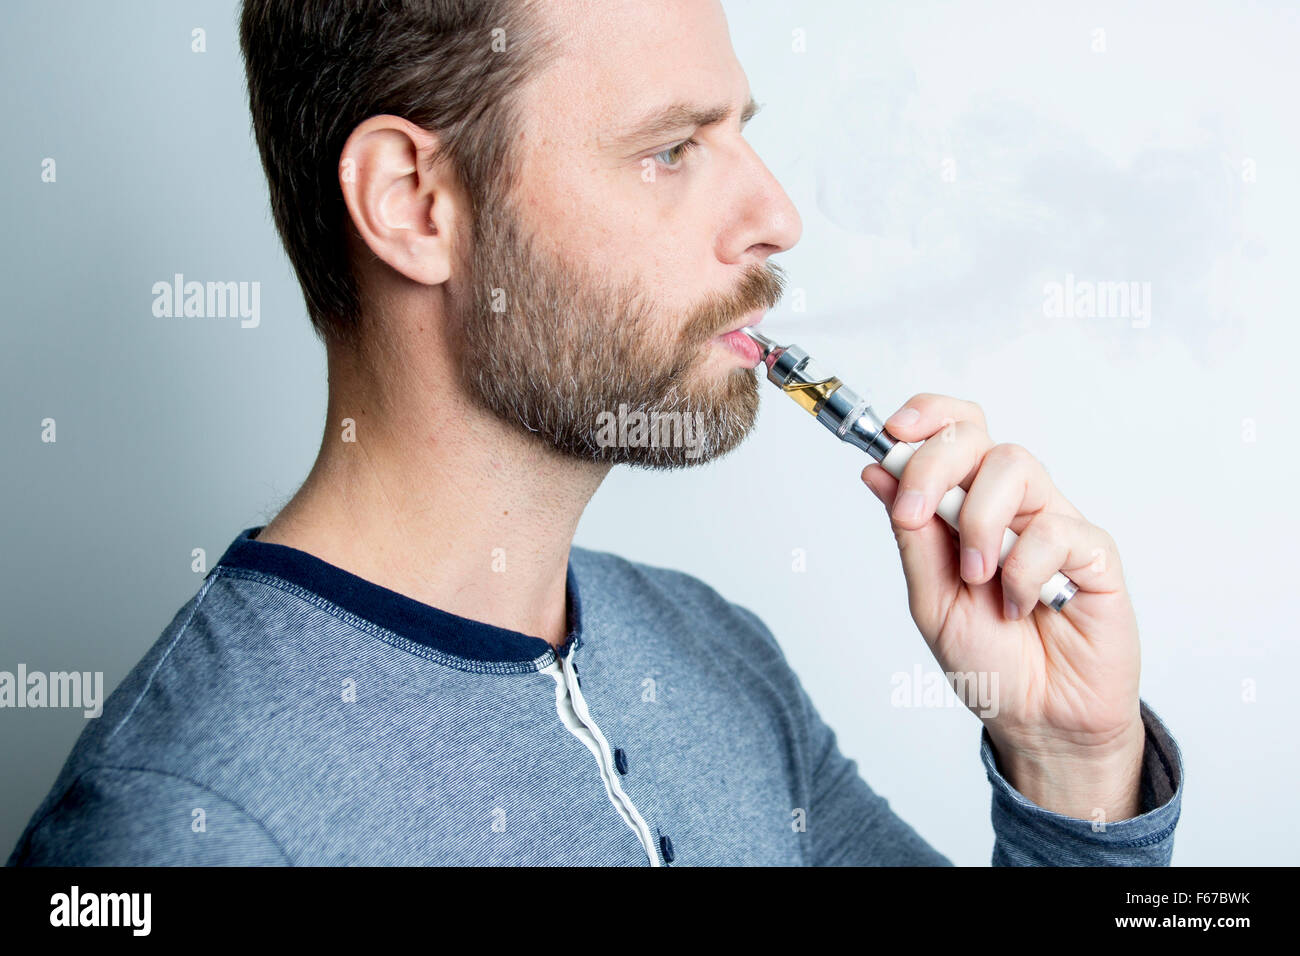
(740, 343)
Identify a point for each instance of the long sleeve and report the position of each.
(849, 824)
(1027, 835)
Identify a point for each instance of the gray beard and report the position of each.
(565, 355)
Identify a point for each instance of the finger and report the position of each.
(946, 460)
(1054, 542)
(927, 553)
(932, 414)
(1009, 483)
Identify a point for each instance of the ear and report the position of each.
(405, 212)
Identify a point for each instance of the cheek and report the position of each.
(628, 229)
(672, 254)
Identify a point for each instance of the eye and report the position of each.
(676, 153)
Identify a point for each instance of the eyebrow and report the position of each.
(675, 117)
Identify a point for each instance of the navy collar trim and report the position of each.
(445, 632)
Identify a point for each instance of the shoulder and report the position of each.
(212, 681)
(616, 585)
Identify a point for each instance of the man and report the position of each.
(512, 220)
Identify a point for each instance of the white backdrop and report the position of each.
(951, 164)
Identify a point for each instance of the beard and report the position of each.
(573, 358)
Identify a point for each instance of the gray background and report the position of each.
(948, 161)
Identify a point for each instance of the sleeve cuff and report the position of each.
(1025, 834)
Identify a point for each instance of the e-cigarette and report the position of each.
(852, 420)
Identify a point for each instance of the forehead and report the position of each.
(619, 59)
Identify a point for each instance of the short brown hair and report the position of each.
(318, 68)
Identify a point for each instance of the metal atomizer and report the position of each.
(852, 420)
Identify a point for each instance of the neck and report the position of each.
(430, 496)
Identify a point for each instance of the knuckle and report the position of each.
(977, 439)
(1014, 568)
(948, 433)
(1044, 529)
(1064, 527)
(1106, 555)
(1010, 453)
(1042, 525)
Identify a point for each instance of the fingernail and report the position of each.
(1009, 608)
(908, 506)
(972, 563)
(904, 417)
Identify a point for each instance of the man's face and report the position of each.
(602, 286)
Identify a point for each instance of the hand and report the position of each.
(1066, 727)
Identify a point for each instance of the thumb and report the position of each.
(929, 556)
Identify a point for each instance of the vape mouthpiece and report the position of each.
(763, 342)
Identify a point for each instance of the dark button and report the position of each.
(666, 845)
(620, 760)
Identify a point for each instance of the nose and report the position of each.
(765, 221)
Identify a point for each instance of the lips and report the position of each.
(751, 319)
(740, 343)
(744, 346)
